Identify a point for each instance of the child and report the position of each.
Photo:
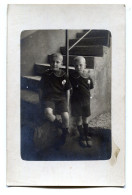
(80, 99)
(54, 85)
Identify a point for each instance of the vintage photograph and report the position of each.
(65, 94)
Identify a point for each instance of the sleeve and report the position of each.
(91, 83)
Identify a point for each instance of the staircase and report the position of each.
(91, 47)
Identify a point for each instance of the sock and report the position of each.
(57, 123)
(88, 135)
(64, 135)
(83, 142)
(64, 131)
(80, 129)
(86, 130)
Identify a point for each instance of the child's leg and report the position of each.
(87, 131)
(51, 117)
(85, 126)
(82, 139)
(65, 119)
(76, 111)
(79, 125)
(49, 114)
(65, 126)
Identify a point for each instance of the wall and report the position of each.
(37, 45)
(101, 94)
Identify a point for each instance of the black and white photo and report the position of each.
(66, 94)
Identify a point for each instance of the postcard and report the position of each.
(66, 95)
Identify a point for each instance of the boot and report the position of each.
(62, 139)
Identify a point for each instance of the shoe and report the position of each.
(62, 140)
(83, 142)
(89, 141)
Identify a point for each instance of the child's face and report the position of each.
(56, 63)
(80, 65)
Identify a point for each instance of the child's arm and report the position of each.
(67, 84)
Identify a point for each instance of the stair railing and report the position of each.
(67, 53)
(68, 49)
(79, 39)
(67, 64)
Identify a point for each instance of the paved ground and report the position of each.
(102, 121)
(101, 149)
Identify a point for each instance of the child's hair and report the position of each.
(56, 55)
(77, 58)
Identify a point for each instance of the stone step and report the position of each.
(91, 41)
(33, 82)
(84, 51)
(30, 82)
(40, 68)
(95, 33)
(29, 96)
(89, 61)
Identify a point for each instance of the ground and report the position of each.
(103, 120)
(32, 142)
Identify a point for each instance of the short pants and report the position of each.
(80, 108)
(58, 106)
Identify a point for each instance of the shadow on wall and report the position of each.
(37, 45)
